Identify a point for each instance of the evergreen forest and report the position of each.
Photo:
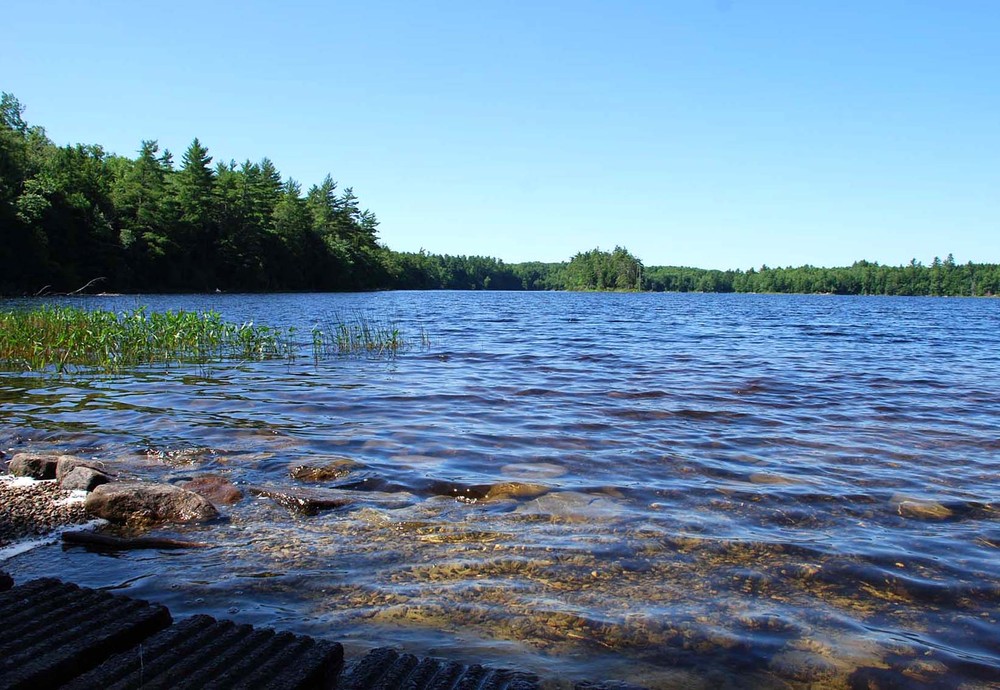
(78, 218)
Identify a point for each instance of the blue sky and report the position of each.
(709, 133)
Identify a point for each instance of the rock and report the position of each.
(484, 492)
(83, 478)
(572, 506)
(873, 678)
(921, 510)
(35, 465)
(6, 581)
(68, 463)
(335, 469)
(803, 666)
(304, 501)
(106, 542)
(515, 490)
(145, 503)
(533, 470)
(215, 488)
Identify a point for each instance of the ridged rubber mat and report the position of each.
(386, 669)
(53, 631)
(201, 652)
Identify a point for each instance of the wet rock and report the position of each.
(925, 670)
(533, 470)
(106, 542)
(215, 488)
(6, 581)
(83, 478)
(335, 469)
(572, 506)
(34, 465)
(68, 463)
(803, 666)
(921, 510)
(872, 678)
(304, 501)
(146, 503)
(483, 492)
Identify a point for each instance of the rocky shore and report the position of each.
(31, 508)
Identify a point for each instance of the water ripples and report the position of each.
(676, 490)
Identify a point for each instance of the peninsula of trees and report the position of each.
(77, 215)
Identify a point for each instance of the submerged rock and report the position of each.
(920, 509)
(572, 506)
(145, 503)
(335, 469)
(215, 488)
(83, 478)
(304, 501)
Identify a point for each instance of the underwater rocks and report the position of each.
(337, 468)
(147, 503)
(215, 488)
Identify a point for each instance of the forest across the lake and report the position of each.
(77, 216)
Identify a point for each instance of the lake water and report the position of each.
(690, 490)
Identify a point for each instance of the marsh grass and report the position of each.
(58, 338)
(360, 335)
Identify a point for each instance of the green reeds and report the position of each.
(360, 335)
(65, 337)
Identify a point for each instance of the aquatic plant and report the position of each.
(360, 334)
(62, 337)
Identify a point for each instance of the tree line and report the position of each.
(76, 215)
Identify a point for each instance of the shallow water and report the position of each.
(691, 490)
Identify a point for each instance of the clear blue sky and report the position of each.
(710, 133)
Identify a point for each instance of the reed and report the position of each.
(360, 335)
(66, 337)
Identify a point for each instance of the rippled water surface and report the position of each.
(673, 490)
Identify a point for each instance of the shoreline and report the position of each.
(34, 509)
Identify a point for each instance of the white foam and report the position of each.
(11, 480)
(75, 496)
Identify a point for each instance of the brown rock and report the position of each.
(335, 469)
(68, 463)
(83, 478)
(304, 501)
(34, 465)
(145, 503)
(215, 488)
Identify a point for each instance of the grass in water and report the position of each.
(360, 335)
(66, 337)
(61, 338)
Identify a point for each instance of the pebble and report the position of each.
(31, 509)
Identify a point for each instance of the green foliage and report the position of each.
(73, 214)
(598, 270)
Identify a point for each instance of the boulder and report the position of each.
(146, 503)
(215, 488)
(83, 478)
(35, 465)
(68, 463)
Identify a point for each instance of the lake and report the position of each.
(687, 490)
